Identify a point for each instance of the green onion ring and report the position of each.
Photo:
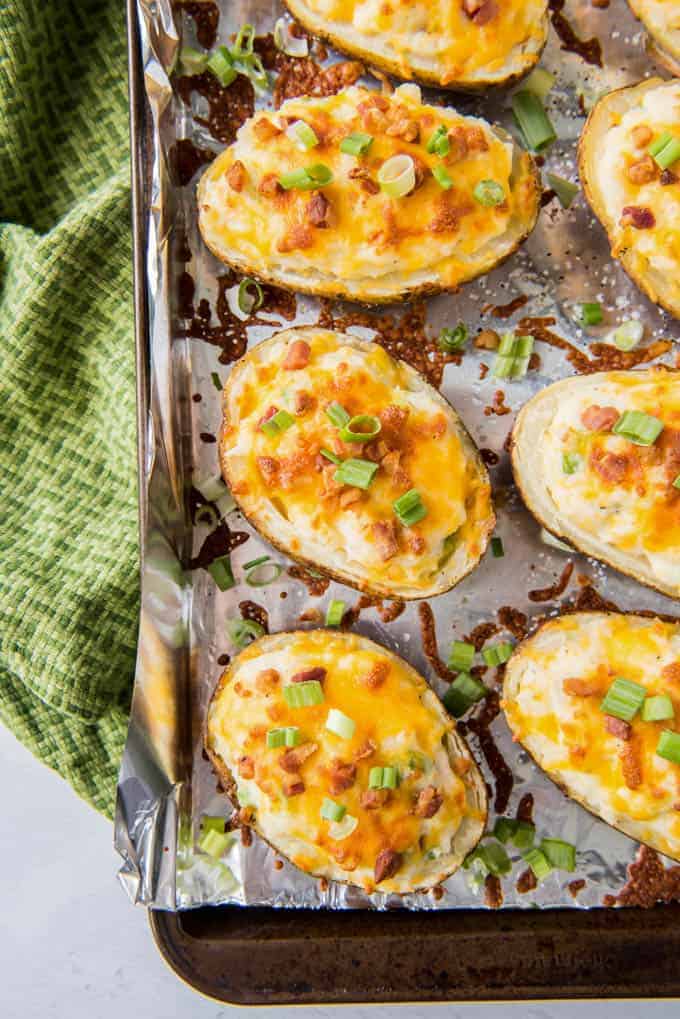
(263, 574)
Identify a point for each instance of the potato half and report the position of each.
(378, 231)
(661, 18)
(611, 497)
(434, 42)
(287, 482)
(637, 202)
(312, 799)
(553, 691)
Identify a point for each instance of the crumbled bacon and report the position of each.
(611, 467)
(457, 144)
(268, 414)
(476, 138)
(428, 803)
(293, 759)
(269, 469)
(269, 186)
(292, 785)
(599, 419)
(318, 210)
(350, 498)
(638, 216)
(265, 129)
(316, 674)
(297, 238)
(387, 864)
(361, 174)
(480, 11)
(642, 135)
(246, 767)
(582, 687)
(617, 727)
(403, 126)
(643, 171)
(385, 536)
(303, 401)
(671, 673)
(373, 799)
(376, 675)
(631, 764)
(367, 749)
(668, 177)
(342, 776)
(266, 680)
(392, 421)
(669, 445)
(236, 175)
(297, 355)
(415, 542)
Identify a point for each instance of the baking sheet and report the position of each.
(165, 784)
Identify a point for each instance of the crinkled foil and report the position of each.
(165, 783)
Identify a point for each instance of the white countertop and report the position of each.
(72, 946)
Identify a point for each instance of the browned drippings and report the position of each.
(185, 159)
(218, 543)
(206, 17)
(514, 621)
(479, 724)
(493, 892)
(590, 600)
(507, 310)
(481, 633)
(489, 457)
(388, 613)
(250, 610)
(428, 636)
(526, 882)
(648, 883)
(525, 809)
(576, 886)
(303, 76)
(589, 50)
(606, 357)
(228, 107)
(555, 590)
(365, 601)
(316, 585)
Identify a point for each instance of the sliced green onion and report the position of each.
(263, 574)
(192, 61)
(658, 708)
(211, 823)
(571, 463)
(222, 66)
(207, 514)
(211, 488)
(665, 150)
(221, 572)
(335, 612)
(361, 428)
(514, 353)
(339, 830)
(628, 334)
(516, 346)
(590, 313)
(523, 836)
(278, 423)
(375, 778)
(438, 142)
(358, 473)
(495, 858)
(397, 176)
(248, 301)
(533, 121)
(244, 41)
(564, 189)
(539, 82)
(417, 761)
(306, 178)
(668, 746)
(465, 691)
(243, 632)
(251, 66)
(504, 828)
(303, 695)
(225, 504)
(337, 414)
(356, 144)
(330, 456)
(451, 340)
(623, 699)
(214, 844)
(302, 135)
(538, 862)
(461, 656)
(289, 736)
(559, 854)
(332, 811)
(341, 724)
(216, 381)
(676, 483)
(256, 562)
(443, 177)
(409, 508)
(641, 429)
(497, 550)
(383, 778)
(497, 654)
(284, 40)
(489, 193)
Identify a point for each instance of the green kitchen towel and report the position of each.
(68, 516)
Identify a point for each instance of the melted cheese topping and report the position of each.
(373, 245)
(285, 479)
(638, 512)
(566, 734)
(439, 35)
(658, 246)
(404, 722)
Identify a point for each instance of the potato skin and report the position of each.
(656, 288)
(664, 47)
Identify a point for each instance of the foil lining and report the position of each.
(166, 785)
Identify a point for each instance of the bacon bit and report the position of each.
(457, 144)
(269, 186)
(526, 882)
(446, 220)
(297, 355)
(385, 536)
(269, 413)
(668, 177)
(377, 675)
(637, 216)
(361, 174)
(576, 886)
(415, 542)
(555, 590)
(631, 764)
(266, 680)
(671, 673)
(480, 11)
(246, 767)
(493, 892)
(265, 129)
(373, 799)
(292, 785)
(387, 864)
(293, 759)
(498, 407)
(318, 211)
(342, 776)
(393, 420)
(303, 401)
(669, 444)
(611, 467)
(297, 238)
(642, 172)
(476, 139)
(582, 687)
(617, 727)
(241, 690)
(428, 803)
(350, 498)
(366, 750)
(311, 616)
(403, 127)
(599, 419)
(236, 176)
(488, 339)
(269, 468)
(317, 673)
(642, 135)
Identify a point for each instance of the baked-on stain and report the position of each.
(508, 310)
(489, 457)
(303, 76)
(205, 15)
(648, 882)
(224, 659)
(555, 590)
(207, 437)
(526, 882)
(185, 159)
(493, 892)
(315, 584)
(388, 613)
(498, 406)
(228, 107)
(589, 50)
(606, 356)
(514, 621)
(428, 636)
(525, 809)
(218, 543)
(255, 613)
(576, 886)
(479, 724)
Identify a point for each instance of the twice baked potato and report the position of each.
(661, 18)
(340, 196)
(457, 44)
(350, 462)
(629, 164)
(597, 460)
(594, 697)
(345, 761)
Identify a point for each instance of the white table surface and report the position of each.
(72, 946)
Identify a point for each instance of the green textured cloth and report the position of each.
(68, 522)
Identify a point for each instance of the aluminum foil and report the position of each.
(166, 785)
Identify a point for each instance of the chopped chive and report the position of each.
(533, 121)
(358, 473)
(216, 381)
(623, 699)
(279, 422)
(451, 340)
(461, 656)
(665, 150)
(438, 142)
(222, 66)
(590, 313)
(289, 736)
(330, 456)
(306, 178)
(340, 724)
(263, 574)
(192, 61)
(215, 844)
(361, 428)
(335, 612)
(356, 144)
(628, 334)
(250, 296)
(465, 691)
(302, 135)
(390, 777)
(657, 709)
(668, 746)
(211, 823)
(256, 562)
(564, 189)
(539, 82)
(524, 834)
(489, 193)
(640, 428)
(332, 811)
(221, 572)
(211, 488)
(497, 654)
(538, 862)
(443, 177)
(676, 483)
(495, 858)
(497, 550)
(303, 695)
(559, 854)
(512, 359)
(337, 414)
(243, 632)
(571, 462)
(504, 828)
(409, 508)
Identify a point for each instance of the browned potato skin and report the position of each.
(659, 47)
